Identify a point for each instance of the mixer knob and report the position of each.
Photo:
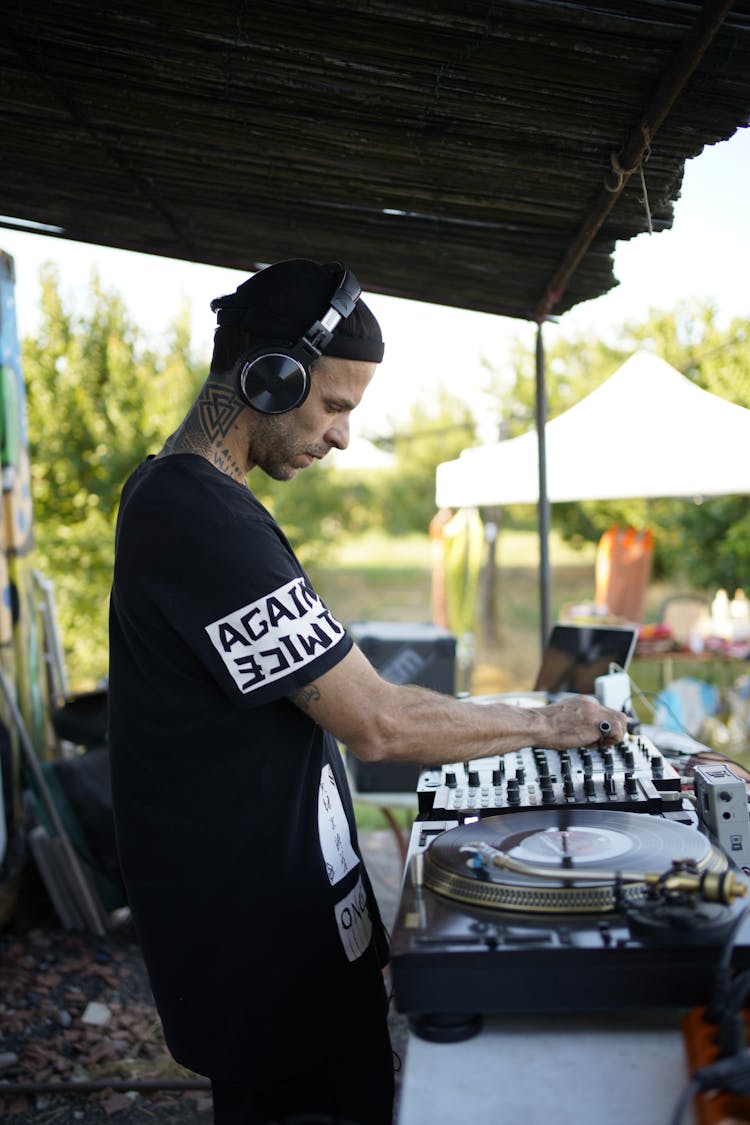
(514, 795)
(608, 760)
(520, 776)
(586, 759)
(631, 785)
(657, 766)
(568, 787)
(543, 767)
(565, 767)
(474, 777)
(589, 788)
(450, 779)
(610, 785)
(629, 758)
(548, 795)
(497, 777)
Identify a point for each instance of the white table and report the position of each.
(559, 1069)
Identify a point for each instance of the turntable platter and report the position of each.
(557, 844)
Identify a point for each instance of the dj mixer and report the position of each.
(631, 777)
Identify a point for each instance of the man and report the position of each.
(229, 683)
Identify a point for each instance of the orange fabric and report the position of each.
(438, 597)
(622, 570)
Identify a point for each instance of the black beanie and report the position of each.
(279, 303)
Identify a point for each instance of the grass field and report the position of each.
(374, 578)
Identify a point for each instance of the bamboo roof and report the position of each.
(483, 155)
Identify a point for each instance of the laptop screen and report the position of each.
(576, 654)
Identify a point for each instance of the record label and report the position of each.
(550, 846)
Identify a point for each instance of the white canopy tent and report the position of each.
(646, 431)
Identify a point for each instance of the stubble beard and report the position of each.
(275, 445)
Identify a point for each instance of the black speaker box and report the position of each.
(403, 654)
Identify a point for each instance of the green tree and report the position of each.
(98, 401)
(433, 431)
(321, 505)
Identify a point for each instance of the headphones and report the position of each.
(274, 380)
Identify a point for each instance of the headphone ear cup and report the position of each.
(272, 382)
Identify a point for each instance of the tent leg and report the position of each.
(491, 518)
(543, 509)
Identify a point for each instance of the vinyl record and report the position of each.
(557, 844)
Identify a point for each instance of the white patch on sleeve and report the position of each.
(333, 829)
(354, 922)
(271, 638)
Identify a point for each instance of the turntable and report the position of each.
(564, 909)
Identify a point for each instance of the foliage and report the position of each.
(433, 431)
(328, 502)
(713, 542)
(323, 504)
(98, 401)
(574, 368)
(708, 543)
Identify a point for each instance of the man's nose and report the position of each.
(337, 433)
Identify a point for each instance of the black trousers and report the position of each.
(338, 1071)
(350, 1087)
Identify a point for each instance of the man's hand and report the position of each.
(581, 721)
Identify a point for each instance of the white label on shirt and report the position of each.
(354, 922)
(333, 829)
(272, 637)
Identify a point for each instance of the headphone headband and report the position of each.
(341, 304)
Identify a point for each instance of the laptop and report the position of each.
(572, 659)
(576, 654)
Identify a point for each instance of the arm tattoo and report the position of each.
(305, 696)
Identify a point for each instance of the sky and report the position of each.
(704, 256)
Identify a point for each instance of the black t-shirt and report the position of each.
(234, 822)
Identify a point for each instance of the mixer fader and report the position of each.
(631, 776)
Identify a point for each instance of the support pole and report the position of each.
(543, 512)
